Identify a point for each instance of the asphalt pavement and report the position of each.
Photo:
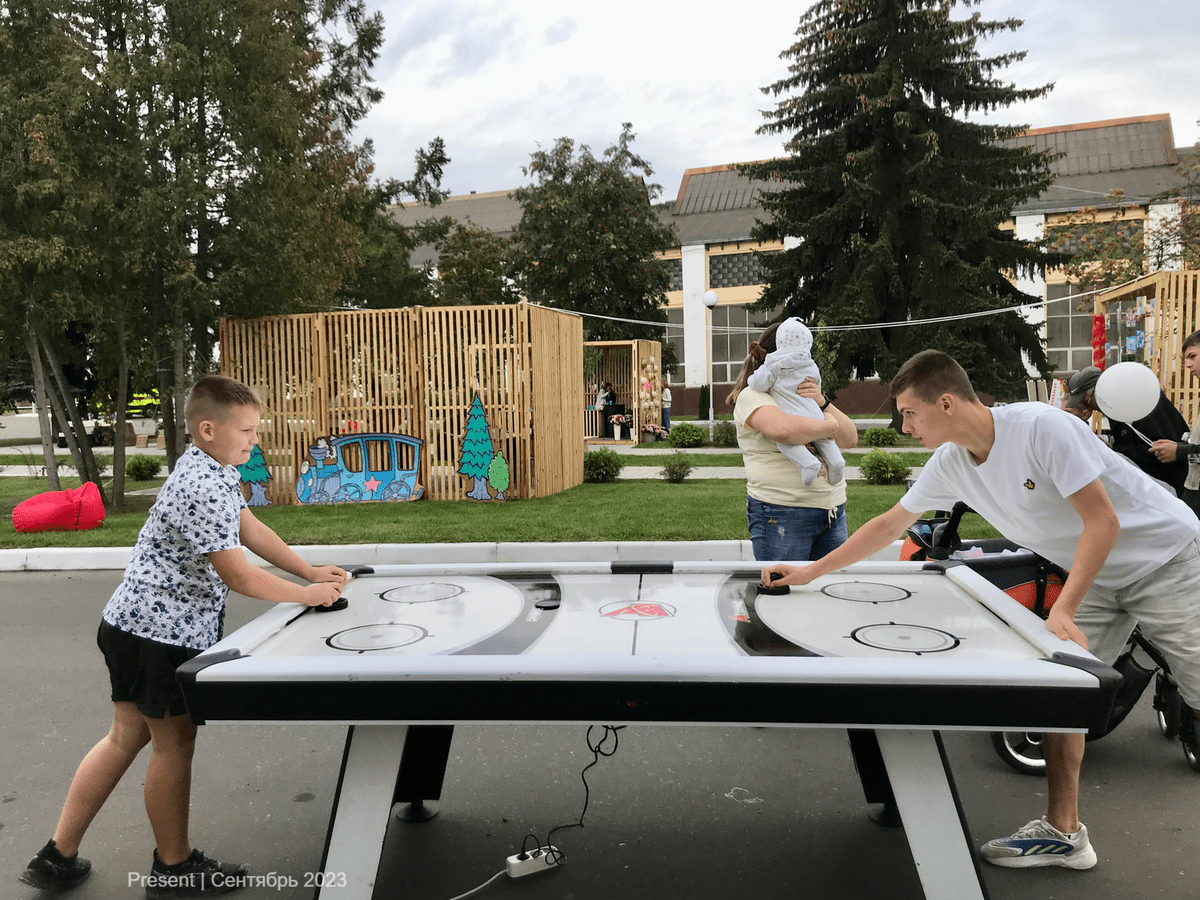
(684, 811)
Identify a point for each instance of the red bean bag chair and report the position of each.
(75, 510)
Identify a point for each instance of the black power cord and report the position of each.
(599, 748)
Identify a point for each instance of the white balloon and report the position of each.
(1127, 392)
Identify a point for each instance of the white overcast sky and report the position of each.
(496, 79)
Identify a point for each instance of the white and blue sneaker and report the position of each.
(1039, 843)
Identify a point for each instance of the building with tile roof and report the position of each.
(716, 207)
(494, 211)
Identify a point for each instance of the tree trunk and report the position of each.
(43, 408)
(81, 450)
(180, 379)
(119, 419)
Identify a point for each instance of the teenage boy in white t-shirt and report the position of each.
(1039, 475)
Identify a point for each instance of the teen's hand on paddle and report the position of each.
(1064, 627)
(786, 575)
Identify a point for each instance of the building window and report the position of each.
(673, 334)
(734, 270)
(1068, 329)
(734, 327)
(674, 274)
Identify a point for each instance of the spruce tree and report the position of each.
(899, 202)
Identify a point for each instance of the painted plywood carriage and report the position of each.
(398, 404)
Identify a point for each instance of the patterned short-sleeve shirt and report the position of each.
(170, 592)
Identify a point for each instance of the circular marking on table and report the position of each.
(865, 592)
(905, 638)
(428, 592)
(381, 636)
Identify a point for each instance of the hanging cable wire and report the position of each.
(1040, 304)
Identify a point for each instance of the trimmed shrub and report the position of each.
(677, 468)
(881, 437)
(686, 434)
(724, 434)
(601, 465)
(878, 467)
(142, 468)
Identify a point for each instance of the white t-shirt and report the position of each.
(1042, 456)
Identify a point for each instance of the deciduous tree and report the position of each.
(588, 237)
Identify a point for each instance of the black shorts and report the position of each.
(142, 671)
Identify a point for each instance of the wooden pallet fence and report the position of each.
(1176, 296)
(417, 371)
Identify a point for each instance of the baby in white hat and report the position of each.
(782, 371)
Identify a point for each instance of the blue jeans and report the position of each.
(793, 532)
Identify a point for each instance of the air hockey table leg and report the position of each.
(933, 820)
(422, 771)
(361, 811)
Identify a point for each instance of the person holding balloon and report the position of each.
(1134, 437)
(1043, 480)
(1169, 451)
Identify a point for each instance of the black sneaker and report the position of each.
(196, 876)
(51, 870)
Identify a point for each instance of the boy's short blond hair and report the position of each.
(929, 374)
(213, 396)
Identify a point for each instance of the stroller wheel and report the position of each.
(1166, 706)
(1022, 750)
(1189, 736)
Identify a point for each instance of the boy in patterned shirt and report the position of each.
(169, 607)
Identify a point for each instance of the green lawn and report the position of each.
(642, 510)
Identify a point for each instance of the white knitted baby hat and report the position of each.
(793, 334)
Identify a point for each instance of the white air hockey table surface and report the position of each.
(905, 649)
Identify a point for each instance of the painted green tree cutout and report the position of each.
(476, 451)
(498, 474)
(254, 472)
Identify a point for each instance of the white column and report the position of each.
(695, 322)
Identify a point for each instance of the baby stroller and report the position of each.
(1035, 583)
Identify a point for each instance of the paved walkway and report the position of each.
(646, 454)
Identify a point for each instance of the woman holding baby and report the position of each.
(795, 507)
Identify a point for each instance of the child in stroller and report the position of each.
(1035, 583)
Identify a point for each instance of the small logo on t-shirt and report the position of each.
(1029, 485)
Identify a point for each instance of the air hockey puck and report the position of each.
(339, 603)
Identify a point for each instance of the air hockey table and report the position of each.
(904, 649)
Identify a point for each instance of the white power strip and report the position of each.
(540, 860)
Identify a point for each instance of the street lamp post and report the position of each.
(710, 301)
